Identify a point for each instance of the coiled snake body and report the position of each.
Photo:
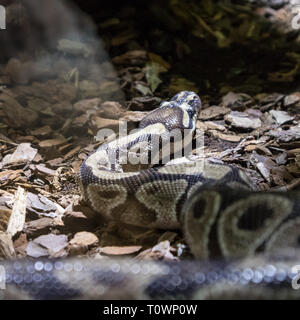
(222, 217)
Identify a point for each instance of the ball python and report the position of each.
(245, 241)
(208, 201)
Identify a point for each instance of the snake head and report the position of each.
(190, 104)
(188, 98)
(178, 113)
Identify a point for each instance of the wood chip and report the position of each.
(226, 137)
(7, 250)
(120, 250)
(23, 154)
(52, 142)
(44, 170)
(17, 218)
(45, 245)
(38, 227)
(134, 57)
(213, 112)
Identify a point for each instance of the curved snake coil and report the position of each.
(246, 241)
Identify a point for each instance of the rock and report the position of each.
(243, 121)
(281, 117)
(23, 154)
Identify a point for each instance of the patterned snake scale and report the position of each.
(245, 242)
